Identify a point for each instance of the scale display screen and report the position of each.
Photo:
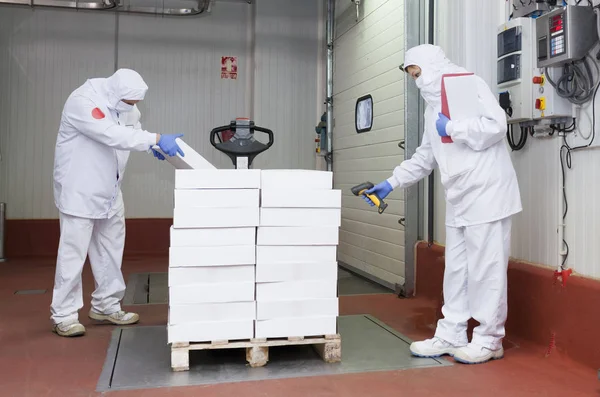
(557, 35)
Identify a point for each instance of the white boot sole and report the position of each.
(439, 353)
(497, 355)
(433, 355)
(73, 332)
(108, 318)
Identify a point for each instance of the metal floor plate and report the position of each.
(139, 358)
(153, 288)
(351, 284)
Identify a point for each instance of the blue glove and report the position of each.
(168, 145)
(382, 190)
(158, 155)
(441, 124)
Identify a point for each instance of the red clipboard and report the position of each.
(445, 110)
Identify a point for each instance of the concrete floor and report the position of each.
(35, 362)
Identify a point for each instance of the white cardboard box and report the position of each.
(216, 198)
(211, 293)
(297, 236)
(268, 273)
(288, 327)
(296, 179)
(217, 179)
(210, 331)
(296, 254)
(299, 308)
(300, 198)
(189, 218)
(212, 256)
(326, 217)
(296, 290)
(179, 276)
(203, 312)
(191, 159)
(214, 237)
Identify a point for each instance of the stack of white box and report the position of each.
(213, 254)
(296, 267)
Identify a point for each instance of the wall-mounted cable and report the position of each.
(566, 163)
(510, 136)
(577, 83)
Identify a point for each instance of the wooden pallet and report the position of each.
(329, 347)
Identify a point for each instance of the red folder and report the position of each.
(445, 110)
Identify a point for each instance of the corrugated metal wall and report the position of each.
(466, 30)
(290, 77)
(538, 164)
(367, 55)
(45, 54)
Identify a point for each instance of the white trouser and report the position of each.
(103, 240)
(475, 283)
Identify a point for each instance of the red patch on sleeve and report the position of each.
(97, 114)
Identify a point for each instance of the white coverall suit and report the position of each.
(97, 132)
(482, 194)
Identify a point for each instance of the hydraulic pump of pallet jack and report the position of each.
(361, 190)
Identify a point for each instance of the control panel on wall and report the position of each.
(565, 34)
(523, 89)
(547, 103)
(515, 64)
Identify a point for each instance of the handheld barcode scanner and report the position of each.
(360, 190)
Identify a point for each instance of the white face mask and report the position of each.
(429, 89)
(419, 81)
(123, 107)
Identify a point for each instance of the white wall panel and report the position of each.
(366, 59)
(44, 56)
(466, 30)
(534, 236)
(583, 218)
(180, 59)
(289, 65)
(534, 231)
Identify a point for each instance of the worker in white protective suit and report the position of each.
(482, 194)
(99, 127)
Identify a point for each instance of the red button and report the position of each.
(538, 104)
(538, 80)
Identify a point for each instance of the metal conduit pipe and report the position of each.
(2, 231)
(431, 179)
(113, 5)
(77, 5)
(329, 99)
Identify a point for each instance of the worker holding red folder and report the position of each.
(481, 193)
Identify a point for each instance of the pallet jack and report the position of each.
(237, 141)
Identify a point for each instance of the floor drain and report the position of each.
(30, 292)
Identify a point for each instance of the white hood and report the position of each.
(434, 64)
(123, 84)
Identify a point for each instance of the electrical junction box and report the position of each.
(565, 34)
(524, 91)
(515, 66)
(546, 102)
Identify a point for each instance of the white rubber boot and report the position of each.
(435, 347)
(69, 329)
(475, 354)
(118, 318)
